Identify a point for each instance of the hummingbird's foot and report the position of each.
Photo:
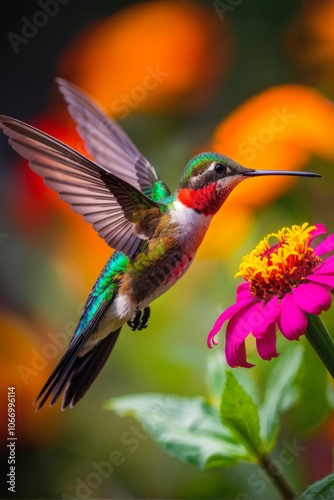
(134, 322)
(144, 318)
(140, 319)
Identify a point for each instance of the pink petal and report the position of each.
(266, 345)
(265, 316)
(322, 279)
(292, 321)
(319, 229)
(237, 330)
(227, 314)
(327, 266)
(325, 246)
(312, 298)
(243, 291)
(240, 359)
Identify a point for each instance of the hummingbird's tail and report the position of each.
(74, 374)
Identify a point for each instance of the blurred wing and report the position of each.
(107, 142)
(111, 205)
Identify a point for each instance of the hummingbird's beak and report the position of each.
(257, 173)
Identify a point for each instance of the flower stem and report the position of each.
(277, 477)
(321, 341)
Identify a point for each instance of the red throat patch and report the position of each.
(206, 201)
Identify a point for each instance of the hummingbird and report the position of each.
(155, 234)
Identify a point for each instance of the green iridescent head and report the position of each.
(205, 167)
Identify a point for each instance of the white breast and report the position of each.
(192, 225)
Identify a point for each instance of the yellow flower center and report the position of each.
(275, 270)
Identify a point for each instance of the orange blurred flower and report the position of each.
(24, 366)
(310, 40)
(152, 56)
(278, 129)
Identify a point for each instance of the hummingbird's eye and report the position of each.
(220, 169)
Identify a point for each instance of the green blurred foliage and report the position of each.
(321, 490)
(189, 428)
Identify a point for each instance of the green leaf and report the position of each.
(215, 379)
(320, 490)
(187, 428)
(239, 413)
(280, 392)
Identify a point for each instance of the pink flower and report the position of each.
(283, 283)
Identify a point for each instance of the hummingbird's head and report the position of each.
(210, 177)
(210, 168)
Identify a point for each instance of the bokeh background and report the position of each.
(252, 80)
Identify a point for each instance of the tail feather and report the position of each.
(74, 374)
(63, 376)
(56, 380)
(85, 370)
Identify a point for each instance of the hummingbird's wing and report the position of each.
(107, 142)
(114, 207)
